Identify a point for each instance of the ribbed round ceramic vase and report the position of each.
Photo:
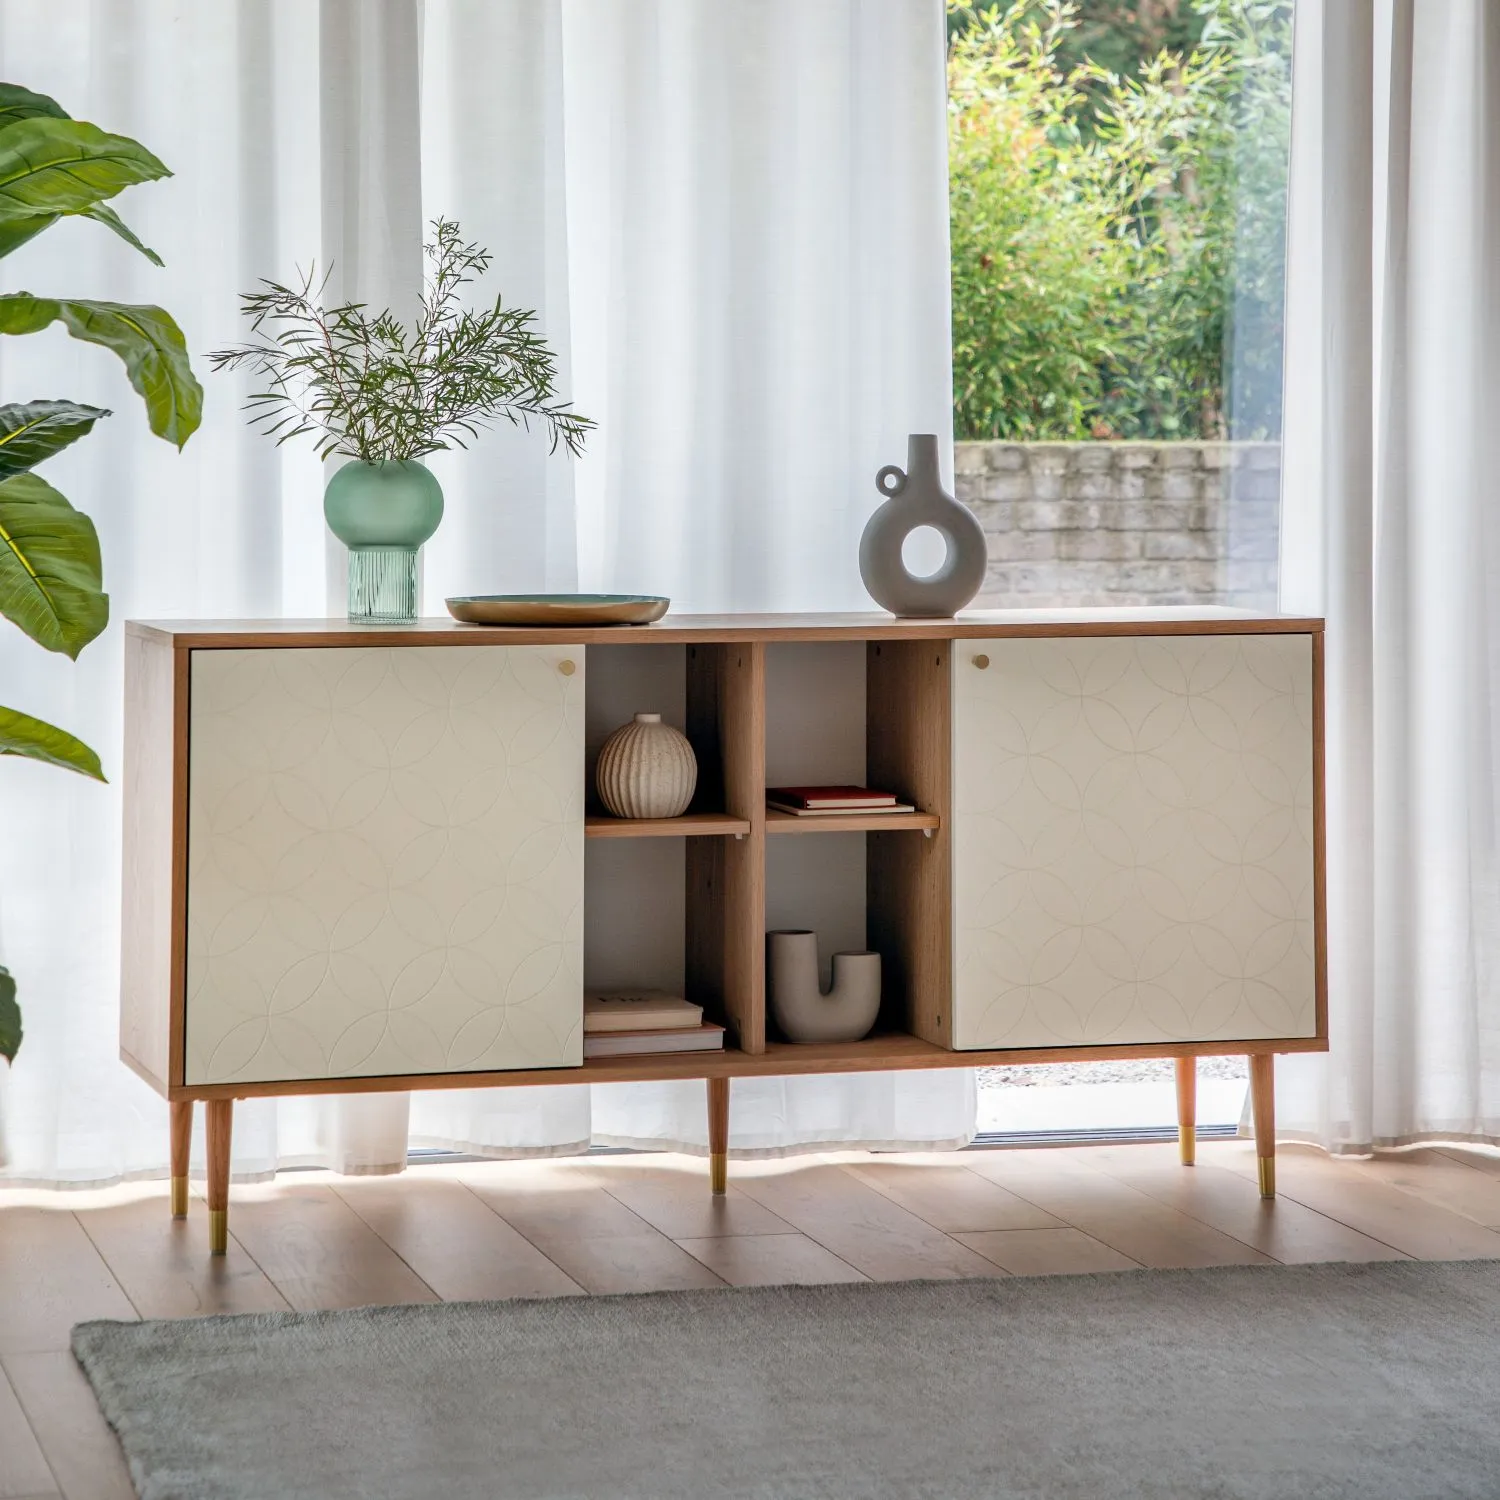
(646, 769)
(799, 1005)
(383, 512)
(915, 497)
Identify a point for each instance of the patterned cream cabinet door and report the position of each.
(385, 861)
(1133, 840)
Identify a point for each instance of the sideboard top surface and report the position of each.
(688, 629)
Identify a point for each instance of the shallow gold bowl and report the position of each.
(558, 609)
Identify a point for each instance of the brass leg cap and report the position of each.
(718, 1171)
(218, 1231)
(1187, 1143)
(1267, 1165)
(179, 1197)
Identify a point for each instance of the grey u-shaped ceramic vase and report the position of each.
(799, 1006)
(915, 497)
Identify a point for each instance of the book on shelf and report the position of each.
(835, 812)
(830, 798)
(637, 1010)
(704, 1038)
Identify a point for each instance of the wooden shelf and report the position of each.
(784, 822)
(690, 825)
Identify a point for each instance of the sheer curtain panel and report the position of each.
(1390, 528)
(732, 220)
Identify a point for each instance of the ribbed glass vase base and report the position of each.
(383, 584)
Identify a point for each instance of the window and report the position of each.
(1118, 179)
(1118, 198)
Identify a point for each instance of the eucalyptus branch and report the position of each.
(370, 387)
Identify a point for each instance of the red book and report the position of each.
(827, 798)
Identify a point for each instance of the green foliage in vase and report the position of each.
(373, 388)
(51, 575)
(1113, 232)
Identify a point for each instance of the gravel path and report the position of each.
(1126, 1070)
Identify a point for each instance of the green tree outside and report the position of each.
(1117, 237)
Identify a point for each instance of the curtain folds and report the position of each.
(733, 223)
(1390, 529)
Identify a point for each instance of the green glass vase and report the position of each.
(383, 512)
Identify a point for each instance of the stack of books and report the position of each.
(821, 801)
(626, 1023)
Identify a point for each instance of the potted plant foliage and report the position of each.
(53, 167)
(385, 395)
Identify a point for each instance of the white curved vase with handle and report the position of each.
(915, 497)
(800, 1007)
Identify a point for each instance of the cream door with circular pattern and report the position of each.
(1133, 840)
(385, 861)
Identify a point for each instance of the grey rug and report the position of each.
(1380, 1382)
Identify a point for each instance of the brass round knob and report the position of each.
(566, 667)
(981, 662)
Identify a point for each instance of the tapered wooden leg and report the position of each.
(1263, 1104)
(220, 1122)
(182, 1145)
(1187, 1109)
(718, 1134)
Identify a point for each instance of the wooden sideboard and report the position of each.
(366, 857)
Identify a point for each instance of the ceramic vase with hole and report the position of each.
(383, 512)
(915, 497)
(799, 1005)
(646, 769)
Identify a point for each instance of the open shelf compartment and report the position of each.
(873, 713)
(681, 916)
(800, 713)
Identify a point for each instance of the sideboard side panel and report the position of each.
(1320, 830)
(154, 863)
(385, 864)
(1136, 841)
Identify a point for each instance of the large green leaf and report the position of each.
(36, 430)
(49, 165)
(35, 739)
(15, 232)
(102, 213)
(145, 338)
(10, 1018)
(17, 103)
(51, 580)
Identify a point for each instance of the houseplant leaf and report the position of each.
(49, 165)
(102, 213)
(146, 339)
(34, 430)
(35, 739)
(51, 581)
(17, 103)
(10, 1018)
(15, 232)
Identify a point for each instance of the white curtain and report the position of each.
(732, 219)
(1392, 529)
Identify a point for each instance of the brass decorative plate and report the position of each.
(558, 609)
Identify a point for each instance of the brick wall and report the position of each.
(1125, 523)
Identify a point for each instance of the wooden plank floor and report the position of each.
(641, 1223)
